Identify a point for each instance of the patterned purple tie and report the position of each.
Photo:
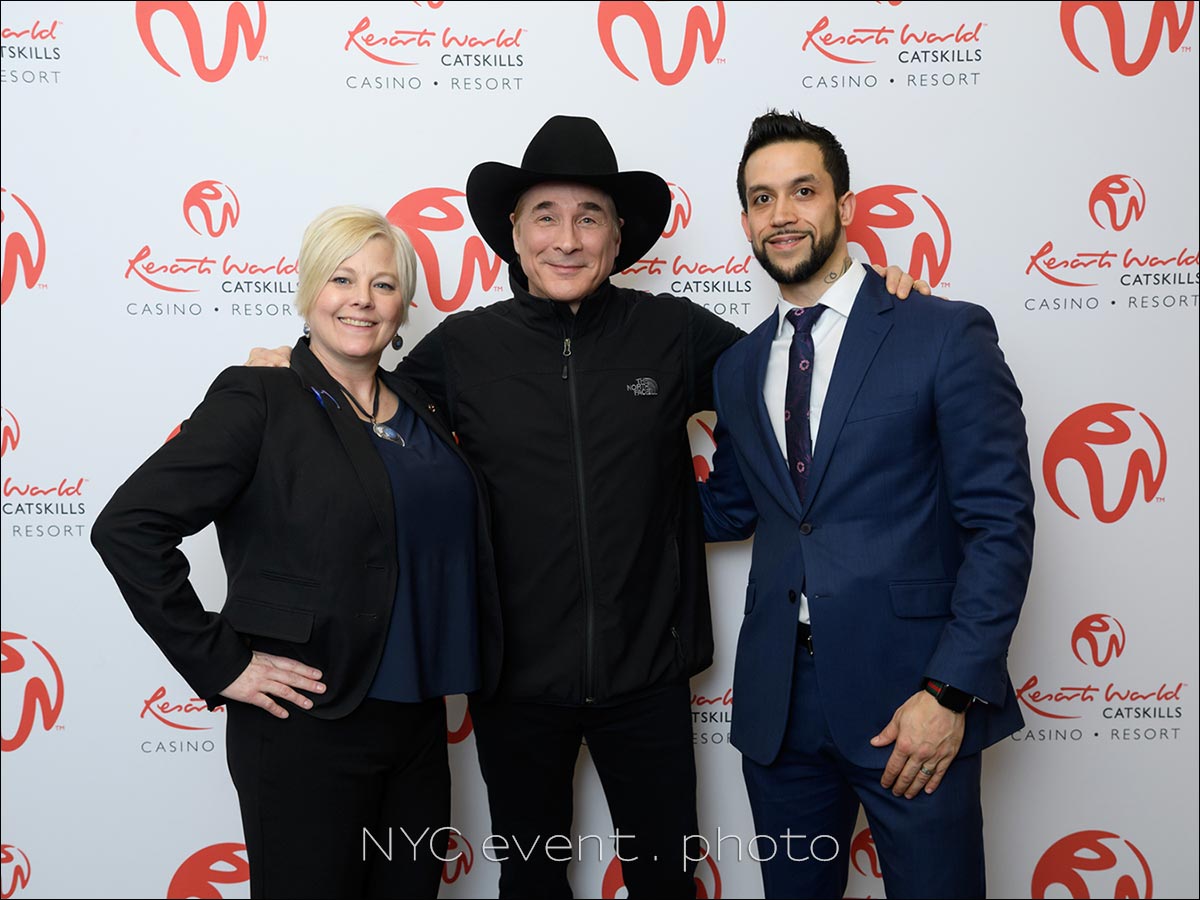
(799, 387)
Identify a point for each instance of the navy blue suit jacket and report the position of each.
(915, 543)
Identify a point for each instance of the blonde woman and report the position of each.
(354, 538)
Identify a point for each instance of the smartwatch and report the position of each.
(950, 697)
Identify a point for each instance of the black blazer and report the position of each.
(306, 524)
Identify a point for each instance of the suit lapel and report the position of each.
(866, 328)
(758, 350)
(364, 458)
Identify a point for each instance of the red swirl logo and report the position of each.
(15, 870)
(202, 874)
(1164, 17)
(460, 857)
(1102, 638)
(704, 444)
(920, 228)
(863, 855)
(211, 207)
(681, 210)
(1075, 864)
(708, 879)
(10, 432)
(1119, 200)
(430, 211)
(458, 719)
(698, 32)
(239, 28)
(40, 694)
(1102, 425)
(24, 246)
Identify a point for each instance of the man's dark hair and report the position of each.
(774, 127)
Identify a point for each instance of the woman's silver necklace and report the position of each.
(381, 429)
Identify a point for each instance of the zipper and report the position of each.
(586, 557)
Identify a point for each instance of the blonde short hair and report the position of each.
(339, 233)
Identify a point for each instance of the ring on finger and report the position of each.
(927, 771)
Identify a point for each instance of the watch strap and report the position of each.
(949, 696)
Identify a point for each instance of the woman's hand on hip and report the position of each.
(268, 676)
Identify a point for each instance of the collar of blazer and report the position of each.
(317, 380)
(866, 328)
(354, 439)
(357, 443)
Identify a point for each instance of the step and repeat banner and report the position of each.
(161, 159)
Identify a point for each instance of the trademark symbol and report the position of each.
(944, 284)
(60, 727)
(264, 59)
(1160, 499)
(719, 61)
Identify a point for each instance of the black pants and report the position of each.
(325, 802)
(642, 750)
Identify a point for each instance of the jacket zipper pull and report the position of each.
(566, 353)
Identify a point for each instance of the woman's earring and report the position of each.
(307, 330)
(397, 341)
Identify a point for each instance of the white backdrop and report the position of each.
(160, 161)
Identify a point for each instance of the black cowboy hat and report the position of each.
(569, 149)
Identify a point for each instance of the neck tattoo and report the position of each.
(834, 276)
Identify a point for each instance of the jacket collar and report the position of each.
(353, 437)
(868, 325)
(866, 328)
(541, 312)
(324, 386)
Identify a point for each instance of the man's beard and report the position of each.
(821, 251)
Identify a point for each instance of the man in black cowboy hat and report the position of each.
(572, 398)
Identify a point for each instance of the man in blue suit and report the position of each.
(893, 543)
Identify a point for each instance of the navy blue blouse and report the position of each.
(432, 645)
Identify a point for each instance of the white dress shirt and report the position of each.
(827, 337)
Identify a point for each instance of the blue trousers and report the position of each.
(930, 846)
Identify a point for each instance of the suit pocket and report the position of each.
(265, 620)
(874, 407)
(284, 578)
(750, 595)
(921, 599)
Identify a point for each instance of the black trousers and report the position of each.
(325, 803)
(643, 753)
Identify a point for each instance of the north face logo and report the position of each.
(643, 387)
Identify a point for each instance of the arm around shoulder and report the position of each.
(709, 336)
(426, 364)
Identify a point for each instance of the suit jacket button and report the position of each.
(806, 528)
(791, 596)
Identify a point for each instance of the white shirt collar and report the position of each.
(839, 298)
